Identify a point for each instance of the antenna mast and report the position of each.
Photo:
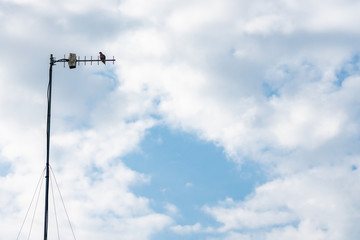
(72, 61)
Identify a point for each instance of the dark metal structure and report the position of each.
(72, 61)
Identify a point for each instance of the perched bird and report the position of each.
(102, 57)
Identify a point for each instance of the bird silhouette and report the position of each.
(102, 57)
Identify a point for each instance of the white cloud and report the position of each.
(256, 78)
(309, 204)
(232, 236)
(171, 209)
(305, 122)
(187, 229)
(191, 18)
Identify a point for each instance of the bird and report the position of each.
(102, 57)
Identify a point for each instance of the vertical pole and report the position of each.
(48, 148)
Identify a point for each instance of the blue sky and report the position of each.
(189, 172)
(220, 120)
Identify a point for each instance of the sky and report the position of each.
(219, 120)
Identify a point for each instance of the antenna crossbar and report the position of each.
(73, 60)
(95, 60)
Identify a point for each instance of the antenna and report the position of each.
(72, 60)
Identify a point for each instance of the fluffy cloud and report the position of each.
(275, 82)
(317, 204)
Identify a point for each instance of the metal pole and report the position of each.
(52, 62)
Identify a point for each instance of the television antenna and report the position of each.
(72, 61)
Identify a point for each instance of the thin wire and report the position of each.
(56, 218)
(37, 201)
(62, 200)
(32, 199)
